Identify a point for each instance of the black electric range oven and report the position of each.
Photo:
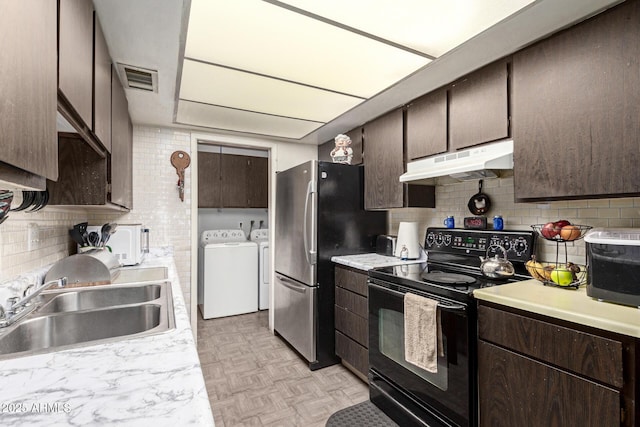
(408, 394)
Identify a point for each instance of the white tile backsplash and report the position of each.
(452, 198)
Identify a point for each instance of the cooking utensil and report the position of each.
(104, 234)
(496, 268)
(77, 237)
(93, 239)
(82, 229)
(112, 229)
(479, 203)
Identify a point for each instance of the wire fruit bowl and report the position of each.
(577, 233)
(542, 272)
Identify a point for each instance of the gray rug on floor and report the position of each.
(364, 414)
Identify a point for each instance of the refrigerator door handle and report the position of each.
(292, 285)
(310, 253)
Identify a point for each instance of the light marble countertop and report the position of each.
(372, 260)
(566, 304)
(154, 380)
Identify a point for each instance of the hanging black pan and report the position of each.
(479, 203)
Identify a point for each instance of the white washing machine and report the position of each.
(227, 274)
(261, 237)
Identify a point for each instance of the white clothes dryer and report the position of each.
(261, 237)
(228, 271)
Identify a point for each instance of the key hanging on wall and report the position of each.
(180, 160)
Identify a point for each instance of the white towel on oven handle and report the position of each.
(422, 332)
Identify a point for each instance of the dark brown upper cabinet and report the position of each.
(232, 181)
(75, 57)
(426, 125)
(258, 182)
(90, 178)
(324, 150)
(209, 177)
(84, 179)
(102, 87)
(576, 110)
(479, 107)
(384, 163)
(29, 148)
(121, 159)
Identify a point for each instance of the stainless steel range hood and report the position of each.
(475, 163)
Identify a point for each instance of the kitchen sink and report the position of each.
(99, 298)
(80, 317)
(73, 328)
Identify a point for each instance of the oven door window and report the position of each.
(391, 345)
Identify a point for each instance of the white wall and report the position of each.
(216, 219)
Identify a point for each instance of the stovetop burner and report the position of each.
(447, 278)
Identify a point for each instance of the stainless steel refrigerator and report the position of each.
(319, 213)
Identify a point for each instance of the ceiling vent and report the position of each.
(138, 78)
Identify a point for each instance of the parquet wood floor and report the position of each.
(254, 379)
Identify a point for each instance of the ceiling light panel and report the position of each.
(267, 39)
(237, 89)
(191, 113)
(430, 26)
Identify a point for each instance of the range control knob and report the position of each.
(520, 246)
(447, 240)
(430, 239)
(439, 239)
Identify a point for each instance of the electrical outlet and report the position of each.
(33, 236)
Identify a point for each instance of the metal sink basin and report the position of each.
(83, 326)
(79, 317)
(99, 298)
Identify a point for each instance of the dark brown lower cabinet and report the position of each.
(519, 391)
(351, 320)
(353, 353)
(539, 371)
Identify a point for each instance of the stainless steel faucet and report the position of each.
(18, 307)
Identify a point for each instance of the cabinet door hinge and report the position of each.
(108, 188)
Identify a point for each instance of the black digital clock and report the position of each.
(475, 222)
